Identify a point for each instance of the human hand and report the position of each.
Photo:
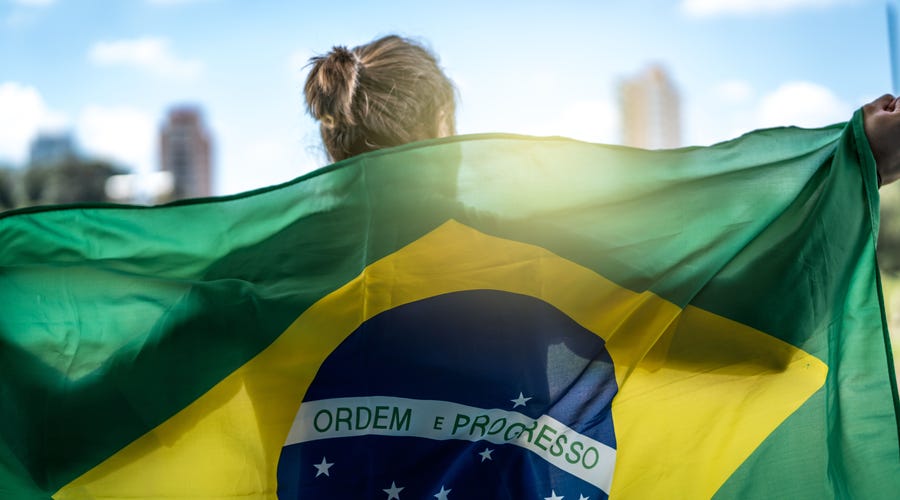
(881, 120)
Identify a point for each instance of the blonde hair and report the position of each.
(385, 93)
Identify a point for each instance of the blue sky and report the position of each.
(109, 70)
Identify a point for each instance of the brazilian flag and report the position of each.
(487, 316)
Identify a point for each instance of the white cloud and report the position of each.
(272, 162)
(24, 13)
(591, 120)
(127, 136)
(709, 8)
(803, 104)
(734, 91)
(23, 113)
(124, 135)
(798, 103)
(151, 54)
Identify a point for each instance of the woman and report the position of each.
(384, 93)
(882, 123)
(391, 92)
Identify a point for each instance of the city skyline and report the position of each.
(531, 68)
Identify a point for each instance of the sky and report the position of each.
(109, 71)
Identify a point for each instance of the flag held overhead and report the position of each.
(486, 316)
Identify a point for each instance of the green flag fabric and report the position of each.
(485, 316)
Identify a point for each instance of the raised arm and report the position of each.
(881, 118)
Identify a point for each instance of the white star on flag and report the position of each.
(519, 401)
(553, 496)
(393, 492)
(582, 497)
(442, 495)
(486, 454)
(322, 468)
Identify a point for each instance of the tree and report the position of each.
(7, 188)
(71, 181)
(889, 232)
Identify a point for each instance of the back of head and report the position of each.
(385, 93)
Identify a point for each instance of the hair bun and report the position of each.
(331, 86)
(385, 93)
(341, 55)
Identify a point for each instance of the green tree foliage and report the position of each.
(889, 233)
(71, 181)
(8, 182)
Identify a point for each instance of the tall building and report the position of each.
(185, 152)
(51, 149)
(651, 110)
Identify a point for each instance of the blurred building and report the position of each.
(185, 153)
(56, 173)
(50, 149)
(651, 110)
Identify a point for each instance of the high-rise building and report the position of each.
(651, 110)
(50, 149)
(185, 152)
